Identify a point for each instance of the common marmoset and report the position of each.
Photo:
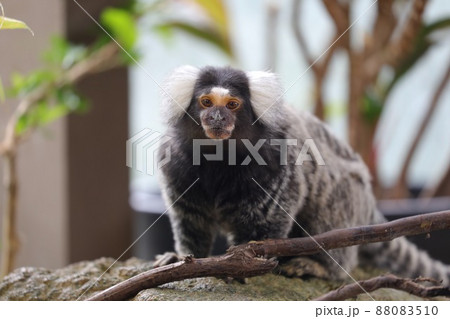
(258, 189)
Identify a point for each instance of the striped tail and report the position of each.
(403, 258)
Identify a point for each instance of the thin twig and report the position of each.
(338, 238)
(406, 40)
(440, 188)
(394, 52)
(273, 13)
(319, 69)
(387, 281)
(10, 240)
(383, 29)
(295, 21)
(245, 260)
(340, 14)
(401, 184)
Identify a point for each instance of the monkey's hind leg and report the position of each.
(333, 265)
(301, 267)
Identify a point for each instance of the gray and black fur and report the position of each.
(226, 198)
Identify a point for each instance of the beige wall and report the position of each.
(42, 218)
(73, 182)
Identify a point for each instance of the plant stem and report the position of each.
(10, 242)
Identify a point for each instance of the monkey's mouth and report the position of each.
(218, 133)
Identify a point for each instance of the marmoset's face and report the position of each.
(218, 112)
(221, 102)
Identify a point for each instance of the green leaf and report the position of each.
(62, 101)
(57, 51)
(24, 84)
(140, 8)
(122, 26)
(216, 31)
(422, 44)
(371, 107)
(30, 119)
(8, 23)
(217, 12)
(335, 109)
(2, 91)
(203, 33)
(50, 114)
(74, 55)
(436, 25)
(21, 125)
(165, 31)
(17, 83)
(62, 54)
(72, 101)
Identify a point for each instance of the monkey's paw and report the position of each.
(302, 267)
(166, 258)
(230, 280)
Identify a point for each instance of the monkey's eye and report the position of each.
(206, 102)
(232, 105)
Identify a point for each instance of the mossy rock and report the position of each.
(82, 280)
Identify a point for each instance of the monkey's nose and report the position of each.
(216, 116)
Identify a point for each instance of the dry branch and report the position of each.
(295, 21)
(10, 241)
(241, 264)
(245, 260)
(388, 281)
(441, 188)
(319, 68)
(385, 23)
(401, 185)
(273, 15)
(406, 41)
(383, 29)
(340, 14)
(387, 50)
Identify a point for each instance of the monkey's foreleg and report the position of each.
(193, 233)
(166, 258)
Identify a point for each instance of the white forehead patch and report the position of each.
(220, 91)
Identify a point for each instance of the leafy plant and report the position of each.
(46, 95)
(61, 99)
(8, 23)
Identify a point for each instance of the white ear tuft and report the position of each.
(177, 92)
(266, 95)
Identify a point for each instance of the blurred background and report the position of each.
(376, 71)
